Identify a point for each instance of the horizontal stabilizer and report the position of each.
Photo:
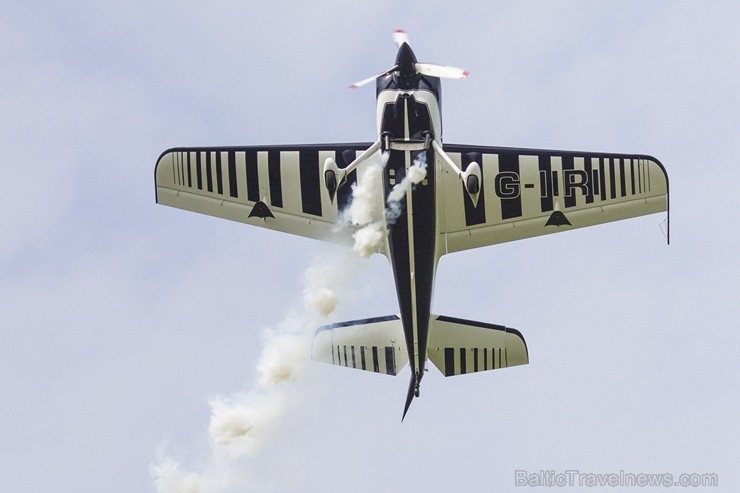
(460, 346)
(375, 344)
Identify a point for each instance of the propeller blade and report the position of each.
(371, 79)
(363, 82)
(400, 37)
(441, 71)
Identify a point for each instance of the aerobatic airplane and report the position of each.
(459, 197)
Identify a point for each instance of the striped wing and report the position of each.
(527, 192)
(276, 187)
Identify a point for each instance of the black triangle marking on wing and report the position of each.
(260, 209)
(557, 218)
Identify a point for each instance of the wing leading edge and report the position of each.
(530, 192)
(275, 187)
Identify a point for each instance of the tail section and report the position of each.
(413, 392)
(375, 344)
(457, 346)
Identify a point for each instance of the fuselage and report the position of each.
(408, 112)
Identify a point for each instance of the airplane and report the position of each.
(434, 199)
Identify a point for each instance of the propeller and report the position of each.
(442, 71)
(364, 82)
(405, 55)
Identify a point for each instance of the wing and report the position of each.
(275, 187)
(528, 192)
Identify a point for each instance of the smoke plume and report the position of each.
(242, 423)
(365, 212)
(366, 209)
(414, 175)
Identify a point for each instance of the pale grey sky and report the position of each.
(120, 319)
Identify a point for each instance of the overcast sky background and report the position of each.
(119, 319)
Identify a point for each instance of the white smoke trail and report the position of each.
(369, 239)
(242, 423)
(168, 478)
(414, 175)
(366, 209)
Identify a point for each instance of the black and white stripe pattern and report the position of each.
(460, 360)
(374, 344)
(458, 347)
(378, 359)
(284, 177)
(519, 183)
